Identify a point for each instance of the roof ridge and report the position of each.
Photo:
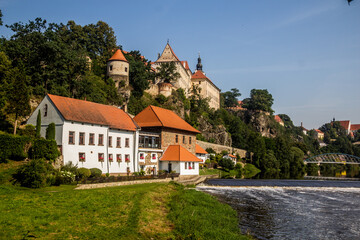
(151, 106)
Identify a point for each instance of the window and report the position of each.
(142, 156)
(153, 156)
(71, 137)
(110, 157)
(199, 82)
(101, 139)
(118, 142)
(184, 139)
(118, 157)
(91, 139)
(189, 140)
(193, 165)
(185, 165)
(81, 138)
(45, 110)
(110, 68)
(101, 157)
(176, 138)
(82, 157)
(125, 69)
(127, 158)
(190, 165)
(110, 141)
(127, 142)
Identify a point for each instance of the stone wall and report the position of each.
(218, 148)
(168, 138)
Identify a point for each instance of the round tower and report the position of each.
(118, 69)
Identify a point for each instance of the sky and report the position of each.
(305, 53)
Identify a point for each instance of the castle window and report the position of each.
(45, 110)
(110, 68)
(184, 140)
(176, 138)
(125, 69)
(189, 140)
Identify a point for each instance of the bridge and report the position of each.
(334, 158)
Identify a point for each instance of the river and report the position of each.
(292, 209)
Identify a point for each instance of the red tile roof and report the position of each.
(232, 156)
(118, 56)
(159, 117)
(199, 149)
(89, 112)
(345, 124)
(178, 153)
(199, 75)
(185, 64)
(278, 119)
(318, 131)
(355, 127)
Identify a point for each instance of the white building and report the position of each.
(231, 157)
(91, 135)
(201, 153)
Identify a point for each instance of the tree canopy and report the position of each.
(260, 99)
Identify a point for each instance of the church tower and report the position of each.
(118, 71)
(199, 65)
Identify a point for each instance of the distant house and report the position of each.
(201, 153)
(279, 120)
(239, 107)
(304, 130)
(346, 125)
(319, 134)
(89, 134)
(177, 140)
(354, 128)
(231, 157)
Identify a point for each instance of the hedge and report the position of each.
(13, 147)
(43, 148)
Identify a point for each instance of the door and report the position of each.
(169, 167)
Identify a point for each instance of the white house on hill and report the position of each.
(91, 135)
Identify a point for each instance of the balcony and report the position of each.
(146, 141)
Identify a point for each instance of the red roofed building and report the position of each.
(167, 129)
(279, 120)
(319, 134)
(207, 88)
(201, 153)
(89, 134)
(231, 157)
(346, 125)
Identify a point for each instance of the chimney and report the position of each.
(301, 124)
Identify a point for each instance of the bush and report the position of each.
(13, 147)
(70, 167)
(67, 177)
(50, 132)
(95, 172)
(35, 174)
(28, 131)
(43, 148)
(83, 174)
(238, 170)
(250, 170)
(226, 163)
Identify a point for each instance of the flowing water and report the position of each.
(292, 209)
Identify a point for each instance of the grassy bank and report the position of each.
(158, 211)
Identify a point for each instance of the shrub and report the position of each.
(95, 172)
(83, 174)
(50, 131)
(43, 148)
(238, 170)
(70, 167)
(28, 131)
(250, 170)
(161, 172)
(13, 147)
(226, 163)
(67, 177)
(34, 174)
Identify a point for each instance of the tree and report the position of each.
(38, 125)
(226, 163)
(19, 96)
(260, 99)
(50, 132)
(230, 98)
(140, 73)
(167, 72)
(297, 167)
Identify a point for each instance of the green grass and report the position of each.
(146, 211)
(209, 171)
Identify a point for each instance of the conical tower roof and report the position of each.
(118, 56)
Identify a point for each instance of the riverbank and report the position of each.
(143, 211)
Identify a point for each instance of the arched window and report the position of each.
(45, 110)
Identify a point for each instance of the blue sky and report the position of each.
(306, 53)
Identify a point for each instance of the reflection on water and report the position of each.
(295, 210)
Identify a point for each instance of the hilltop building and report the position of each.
(279, 120)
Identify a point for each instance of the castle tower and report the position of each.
(199, 65)
(118, 71)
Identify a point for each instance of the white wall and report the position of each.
(193, 171)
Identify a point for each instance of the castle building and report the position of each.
(207, 88)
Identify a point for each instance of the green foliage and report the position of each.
(33, 174)
(13, 147)
(167, 72)
(95, 172)
(226, 163)
(83, 173)
(260, 99)
(287, 121)
(50, 132)
(230, 98)
(250, 170)
(297, 167)
(28, 131)
(38, 125)
(43, 148)
(238, 170)
(70, 167)
(140, 73)
(312, 169)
